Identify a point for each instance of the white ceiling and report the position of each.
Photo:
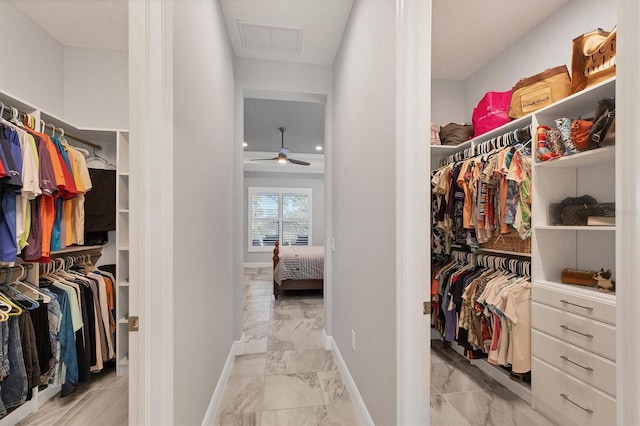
(321, 22)
(92, 24)
(466, 34)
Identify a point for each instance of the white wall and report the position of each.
(364, 218)
(96, 88)
(286, 180)
(33, 61)
(448, 102)
(203, 204)
(546, 46)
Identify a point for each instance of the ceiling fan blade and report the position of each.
(302, 163)
(264, 159)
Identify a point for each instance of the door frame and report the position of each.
(413, 109)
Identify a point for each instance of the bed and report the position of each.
(297, 268)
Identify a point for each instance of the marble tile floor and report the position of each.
(463, 395)
(104, 400)
(285, 376)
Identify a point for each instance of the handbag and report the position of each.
(492, 112)
(580, 134)
(593, 59)
(435, 135)
(578, 215)
(603, 131)
(455, 134)
(532, 93)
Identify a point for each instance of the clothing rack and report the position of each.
(522, 136)
(7, 272)
(51, 126)
(504, 263)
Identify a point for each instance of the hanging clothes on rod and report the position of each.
(484, 195)
(483, 304)
(42, 185)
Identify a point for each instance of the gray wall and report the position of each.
(285, 180)
(203, 197)
(364, 204)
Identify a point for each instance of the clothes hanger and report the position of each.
(30, 290)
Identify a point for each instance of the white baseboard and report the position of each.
(258, 265)
(326, 340)
(361, 408)
(237, 348)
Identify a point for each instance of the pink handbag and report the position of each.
(492, 112)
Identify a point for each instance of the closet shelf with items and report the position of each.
(64, 255)
(573, 330)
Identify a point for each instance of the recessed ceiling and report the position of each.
(304, 122)
(467, 34)
(321, 24)
(92, 24)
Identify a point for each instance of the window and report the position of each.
(277, 214)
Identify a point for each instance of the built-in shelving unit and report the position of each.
(570, 324)
(122, 248)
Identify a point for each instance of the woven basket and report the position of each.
(508, 242)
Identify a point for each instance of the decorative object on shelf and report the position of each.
(593, 59)
(564, 127)
(435, 134)
(455, 133)
(580, 134)
(579, 277)
(604, 282)
(492, 112)
(508, 243)
(532, 93)
(554, 142)
(603, 131)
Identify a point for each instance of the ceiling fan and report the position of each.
(283, 155)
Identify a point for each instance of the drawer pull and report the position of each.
(564, 357)
(590, 336)
(587, 410)
(589, 308)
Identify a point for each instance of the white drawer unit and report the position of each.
(568, 398)
(572, 300)
(592, 369)
(594, 336)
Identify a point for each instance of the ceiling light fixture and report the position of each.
(318, 148)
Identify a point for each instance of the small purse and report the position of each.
(455, 134)
(580, 134)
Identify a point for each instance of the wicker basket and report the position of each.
(508, 242)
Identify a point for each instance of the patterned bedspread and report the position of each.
(300, 263)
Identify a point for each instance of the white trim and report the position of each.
(627, 212)
(257, 265)
(326, 340)
(354, 393)
(151, 395)
(413, 70)
(237, 348)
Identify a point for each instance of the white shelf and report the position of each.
(124, 174)
(582, 159)
(125, 248)
(450, 149)
(123, 321)
(74, 249)
(512, 253)
(124, 362)
(123, 210)
(123, 284)
(574, 228)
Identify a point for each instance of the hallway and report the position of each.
(285, 377)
